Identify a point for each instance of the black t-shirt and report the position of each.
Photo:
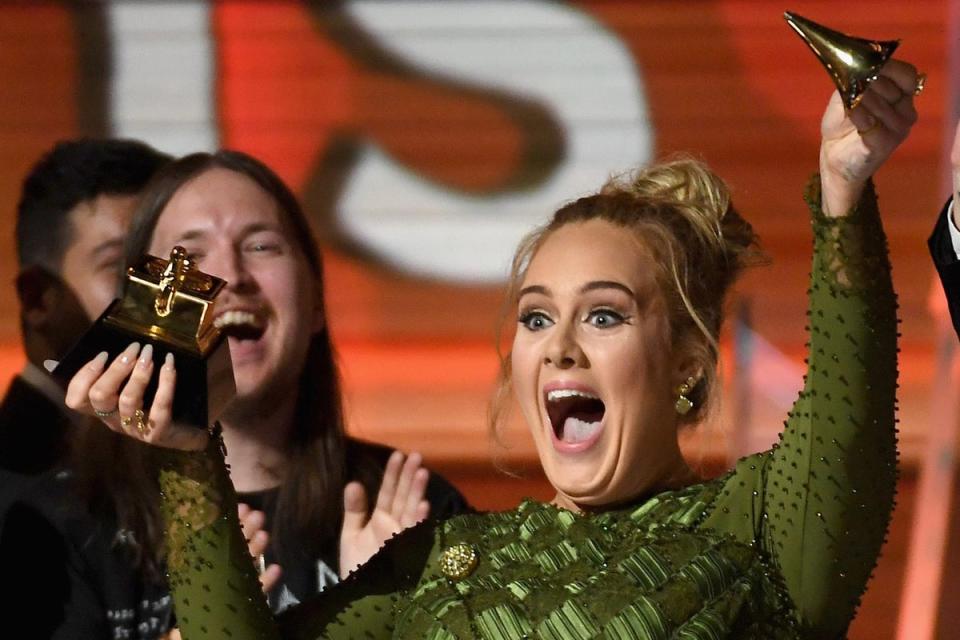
(306, 573)
(72, 573)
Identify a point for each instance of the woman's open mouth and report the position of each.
(576, 416)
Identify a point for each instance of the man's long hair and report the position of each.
(119, 474)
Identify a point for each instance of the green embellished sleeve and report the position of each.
(215, 588)
(819, 503)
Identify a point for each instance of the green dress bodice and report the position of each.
(779, 547)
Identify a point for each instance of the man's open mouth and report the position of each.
(576, 416)
(243, 325)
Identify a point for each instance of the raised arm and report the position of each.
(215, 586)
(819, 502)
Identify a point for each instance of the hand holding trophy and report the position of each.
(172, 388)
(869, 116)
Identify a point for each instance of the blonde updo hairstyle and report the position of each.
(681, 212)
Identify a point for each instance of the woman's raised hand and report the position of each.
(857, 141)
(400, 504)
(114, 394)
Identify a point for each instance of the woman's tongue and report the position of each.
(575, 430)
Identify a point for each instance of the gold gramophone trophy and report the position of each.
(853, 63)
(168, 303)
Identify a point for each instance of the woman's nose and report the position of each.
(563, 351)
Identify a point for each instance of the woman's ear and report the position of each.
(687, 363)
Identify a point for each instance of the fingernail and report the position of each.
(50, 365)
(146, 356)
(130, 352)
(168, 361)
(100, 360)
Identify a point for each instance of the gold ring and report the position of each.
(143, 428)
(921, 82)
(125, 422)
(106, 414)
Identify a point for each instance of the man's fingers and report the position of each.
(354, 508)
(423, 511)
(270, 577)
(418, 488)
(251, 522)
(388, 487)
(405, 483)
(258, 543)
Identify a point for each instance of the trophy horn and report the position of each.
(852, 62)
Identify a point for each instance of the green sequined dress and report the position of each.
(780, 547)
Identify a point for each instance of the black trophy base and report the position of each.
(204, 383)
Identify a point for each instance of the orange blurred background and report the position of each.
(320, 92)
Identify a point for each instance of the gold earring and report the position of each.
(683, 405)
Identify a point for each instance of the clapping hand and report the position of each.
(251, 522)
(400, 504)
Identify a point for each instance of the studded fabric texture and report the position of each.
(779, 548)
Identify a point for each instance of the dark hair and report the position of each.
(73, 172)
(310, 500)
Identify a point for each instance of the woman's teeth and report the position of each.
(558, 394)
(576, 415)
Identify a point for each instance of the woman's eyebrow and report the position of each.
(607, 284)
(534, 288)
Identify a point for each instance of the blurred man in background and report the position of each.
(72, 219)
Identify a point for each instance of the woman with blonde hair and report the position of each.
(619, 304)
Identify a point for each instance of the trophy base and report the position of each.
(204, 380)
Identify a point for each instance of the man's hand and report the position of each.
(400, 504)
(251, 522)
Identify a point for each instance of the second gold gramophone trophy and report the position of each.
(852, 62)
(169, 304)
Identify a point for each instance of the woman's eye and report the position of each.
(603, 318)
(535, 321)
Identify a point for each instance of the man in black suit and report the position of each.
(945, 242)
